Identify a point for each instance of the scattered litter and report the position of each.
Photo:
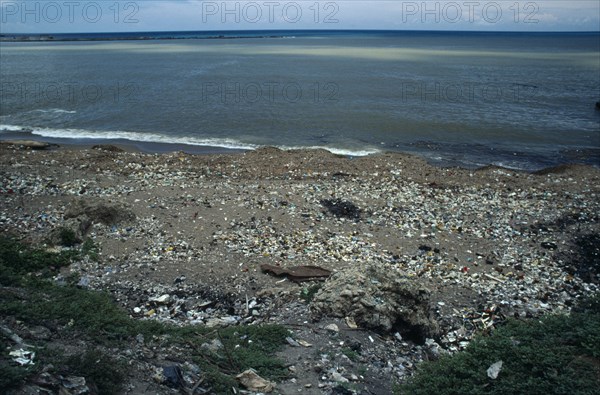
(163, 299)
(304, 343)
(23, 357)
(333, 328)
(494, 370)
(493, 278)
(84, 282)
(351, 323)
(253, 382)
(173, 376)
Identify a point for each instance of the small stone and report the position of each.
(333, 328)
(335, 376)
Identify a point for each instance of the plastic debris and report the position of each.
(494, 370)
(84, 282)
(23, 357)
(173, 376)
(304, 343)
(351, 323)
(163, 299)
(253, 382)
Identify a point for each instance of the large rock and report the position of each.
(378, 298)
(106, 213)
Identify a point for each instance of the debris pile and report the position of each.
(379, 298)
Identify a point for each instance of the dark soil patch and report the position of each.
(342, 209)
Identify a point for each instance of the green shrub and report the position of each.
(67, 236)
(18, 260)
(557, 354)
(99, 369)
(12, 376)
(90, 249)
(244, 347)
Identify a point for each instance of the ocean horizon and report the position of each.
(513, 99)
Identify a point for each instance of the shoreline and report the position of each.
(431, 157)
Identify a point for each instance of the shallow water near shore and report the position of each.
(516, 100)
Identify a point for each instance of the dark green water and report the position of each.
(519, 100)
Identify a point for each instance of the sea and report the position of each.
(517, 100)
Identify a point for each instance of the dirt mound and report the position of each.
(378, 298)
(108, 147)
(106, 213)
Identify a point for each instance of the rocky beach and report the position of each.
(374, 264)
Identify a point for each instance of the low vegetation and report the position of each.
(558, 354)
(28, 294)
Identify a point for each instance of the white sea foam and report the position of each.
(56, 111)
(163, 139)
(12, 128)
(333, 150)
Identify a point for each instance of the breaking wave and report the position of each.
(143, 137)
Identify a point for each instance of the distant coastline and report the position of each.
(62, 38)
(248, 34)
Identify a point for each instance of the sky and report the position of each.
(82, 16)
